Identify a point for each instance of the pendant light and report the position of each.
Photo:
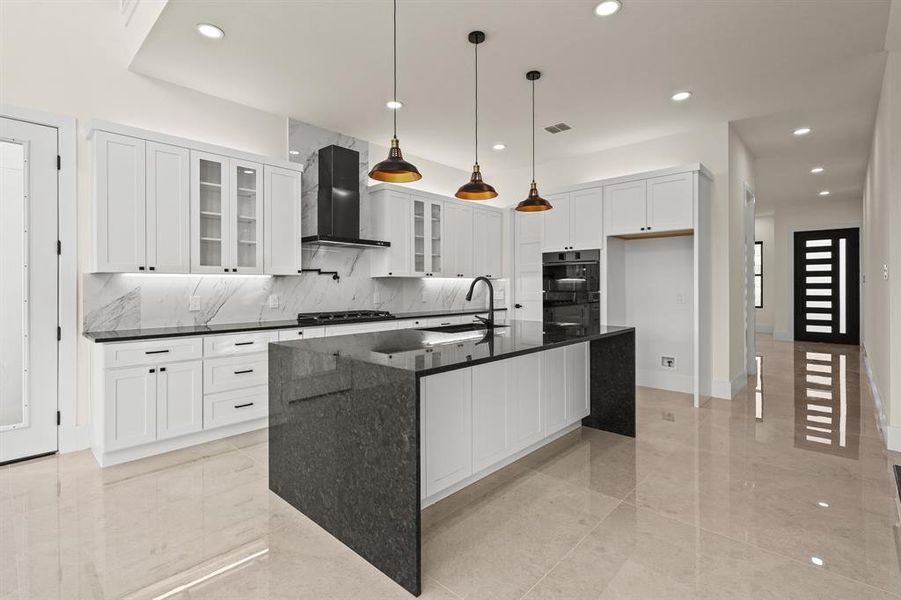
(476, 189)
(534, 202)
(395, 169)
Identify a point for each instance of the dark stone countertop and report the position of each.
(427, 352)
(151, 333)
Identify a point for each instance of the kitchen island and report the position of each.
(366, 429)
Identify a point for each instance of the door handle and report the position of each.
(245, 371)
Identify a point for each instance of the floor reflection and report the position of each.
(827, 400)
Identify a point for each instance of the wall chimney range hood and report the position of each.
(338, 201)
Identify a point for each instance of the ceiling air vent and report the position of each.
(557, 128)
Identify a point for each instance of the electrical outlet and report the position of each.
(885, 272)
(680, 298)
(194, 303)
(668, 362)
(273, 300)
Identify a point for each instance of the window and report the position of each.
(758, 274)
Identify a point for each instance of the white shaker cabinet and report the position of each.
(391, 219)
(556, 234)
(524, 389)
(428, 236)
(168, 209)
(179, 399)
(650, 206)
(458, 244)
(129, 416)
(490, 414)
(119, 203)
(553, 388)
(575, 222)
(281, 192)
(488, 243)
(446, 416)
(577, 378)
(625, 207)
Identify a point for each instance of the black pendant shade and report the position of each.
(476, 189)
(395, 169)
(534, 202)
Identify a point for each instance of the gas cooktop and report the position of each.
(343, 316)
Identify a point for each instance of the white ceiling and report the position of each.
(770, 65)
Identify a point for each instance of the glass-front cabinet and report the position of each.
(428, 236)
(226, 215)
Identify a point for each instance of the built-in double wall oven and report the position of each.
(572, 288)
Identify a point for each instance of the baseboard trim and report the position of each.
(726, 390)
(674, 382)
(72, 438)
(890, 435)
(784, 336)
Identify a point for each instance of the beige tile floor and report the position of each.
(728, 501)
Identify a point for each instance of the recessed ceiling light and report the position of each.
(394, 104)
(816, 560)
(210, 31)
(801, 131)
(681, 96)
(499, 146)
(824, 193)
(823, 504)
(817, 170)
(293, 152)
(605, 8)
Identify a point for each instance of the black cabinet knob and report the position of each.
(162, 369)
(152, 268)
(140, 268)
(153, 370)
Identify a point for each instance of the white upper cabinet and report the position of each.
(428, 236)
(391, 219)
(670, 206)
(227, 214)
(458, 250)
(575, 222)
(168, 209)
(119, 203)
(282, 189)
(557, 224)
(626, 207)
(488, 243)
(649, 206)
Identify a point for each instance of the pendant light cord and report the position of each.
(533, 131)
(395, 69)
(477, 102)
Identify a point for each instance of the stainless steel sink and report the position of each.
(464, 327)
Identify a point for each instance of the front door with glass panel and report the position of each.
(28, 289)
(827, 290)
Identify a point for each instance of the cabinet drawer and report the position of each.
(129, 354)
(305, 333)
(410, 323)
(235, 372)
(238, 343)
(442, 321)
(333, 330)
(235, 406)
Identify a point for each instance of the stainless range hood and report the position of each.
(338, 201)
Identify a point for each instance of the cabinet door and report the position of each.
(436, 239)
(119, 203)
(210, 206)
(625, 208)
(587, 216)
(524, 389)
(447, 437)
(420, 227)
(528, 267)
(129, 407)
(281, 190)
(168, 209)
(554, 388)
(390, 220)
(490, 415)
(557, 234)
(577, 405)
(459, 242)
(246, 227)
(179, 399)
(670, 202)
(488, 243)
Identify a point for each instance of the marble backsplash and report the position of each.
(131, 301)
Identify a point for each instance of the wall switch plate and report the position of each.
(194, 303)
(885, 272)
(273, 300)
(680, 298)
(668, 362)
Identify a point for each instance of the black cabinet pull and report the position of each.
(234, 270)
(243, 343)
(244, 372)
(517, 306)
(162, 369)
(226, 270)
(649, 228)
(152, 268)
(156, 352)
(140, 268)
(245, 405)
(153, 370)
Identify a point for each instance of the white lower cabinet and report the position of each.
(235, 406)
(129, 415)
(475, 420)
(179, 399)
(235, 372)
(446, 411)
(303, 333)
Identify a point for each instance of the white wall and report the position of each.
(808, 215)
(765, 232)
(70, 58)
(710, 146)
(882, 247)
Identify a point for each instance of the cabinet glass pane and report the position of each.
(211, 205)
(436, 237)
(418, 236)
(247, 216)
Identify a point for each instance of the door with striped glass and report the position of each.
(827, 286)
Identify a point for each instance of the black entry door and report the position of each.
(827, 280)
